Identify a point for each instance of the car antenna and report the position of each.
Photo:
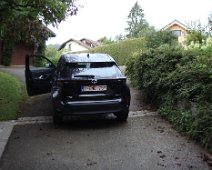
(88, 55)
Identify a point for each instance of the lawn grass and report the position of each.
(11, 95)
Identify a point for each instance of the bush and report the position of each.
(122, 50)
(155, 39)
(52, 53)
(180, 82)
(7, 53)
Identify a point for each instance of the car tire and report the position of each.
(122, 116)
(57, 119)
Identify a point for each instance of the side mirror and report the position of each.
(49, 65)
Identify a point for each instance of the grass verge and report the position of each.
(12, 93)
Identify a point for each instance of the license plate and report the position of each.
(94, 88)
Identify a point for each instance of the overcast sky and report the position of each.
(99, 18)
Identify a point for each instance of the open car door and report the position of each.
(39, 74)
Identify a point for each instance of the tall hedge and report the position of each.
(180, 83)
(122, 50)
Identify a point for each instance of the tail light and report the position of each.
(56, 103)
(127, 98)
(59, 82)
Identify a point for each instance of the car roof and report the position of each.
(87, 57)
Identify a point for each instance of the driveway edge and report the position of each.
(6, 128)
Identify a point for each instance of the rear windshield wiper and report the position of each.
(87, 76)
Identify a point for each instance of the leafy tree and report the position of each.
(52, 53)
(198, 33)
(155, 39)
(210, 21)
(105, 40)
(119, 38)
(195, 36)
(135, 20)
(21, 18)
(49, 11)
(25, 20)
(148, 30)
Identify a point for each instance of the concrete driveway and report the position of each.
(143, 143)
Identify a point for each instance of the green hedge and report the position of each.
(122, 50)
(180, 83)
(7, 52)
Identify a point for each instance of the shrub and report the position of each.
(52, 53)
(180, 82)
(7, 52)
(155, 39)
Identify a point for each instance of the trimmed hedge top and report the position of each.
(123, 50)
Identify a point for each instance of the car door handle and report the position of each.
(43, 76)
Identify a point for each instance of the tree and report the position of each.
(49, 11)
(135, 20)
(198, 33)
(210, 21)
(25, 20)
(105, 40)
(119, 37)
(19, 17)
(52, 53)
(155, 39)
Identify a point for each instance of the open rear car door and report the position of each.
(39, 74)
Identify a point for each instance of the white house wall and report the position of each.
(74, 47)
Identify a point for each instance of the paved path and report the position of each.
(146, 142)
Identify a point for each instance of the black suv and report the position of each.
(80, 84)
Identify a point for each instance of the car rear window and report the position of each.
(81, 70)
(91, 65)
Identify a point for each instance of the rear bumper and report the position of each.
(92, 107)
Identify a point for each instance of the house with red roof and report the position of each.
(83, 44)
